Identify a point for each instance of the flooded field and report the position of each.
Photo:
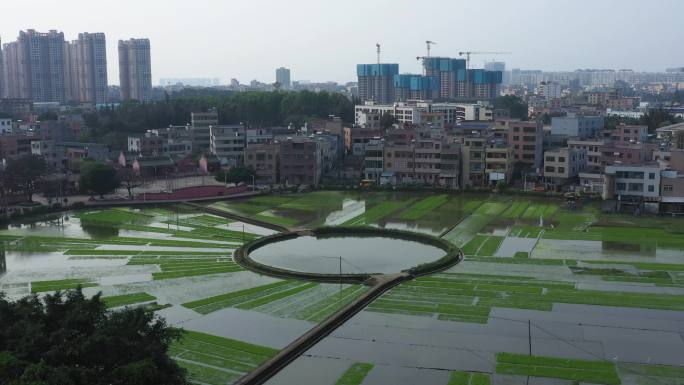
(545, 295)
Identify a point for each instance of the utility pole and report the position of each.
(340, 277)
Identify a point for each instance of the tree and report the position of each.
(23, 172)
(387, 120)
(98, 178)
(236, 175)
(67, 338)
(48, 115)
(515, 105)
(114, 124)
(129, 179)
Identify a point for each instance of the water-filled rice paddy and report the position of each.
(545, 295)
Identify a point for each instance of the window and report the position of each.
(550, 158)
(561, 159)
(651, 188)
(667, 188)
(550, 169)
(651, 175)
(561, 170)
(620, 186)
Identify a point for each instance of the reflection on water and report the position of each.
(350, 208)
(53, 225)
(99, 232)
(356, 255)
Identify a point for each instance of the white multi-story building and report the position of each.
(592, 147)
(549, 90)
(200, 122)
(410, 112)
(632, 180)
(228, 142)
(404, 114)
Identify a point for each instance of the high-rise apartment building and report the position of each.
(283, 77)
(33, 67)
(480, 83)
(376, 82)
(135, 69)
(86, 69)
(415, 87)
(457, 82)
(446, 70)
(498, 66)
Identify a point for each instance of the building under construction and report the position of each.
(443, 78)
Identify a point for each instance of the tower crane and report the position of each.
(428, 43)
(468, 53)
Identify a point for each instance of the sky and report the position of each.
(323, 40)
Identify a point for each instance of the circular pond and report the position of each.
(354, 254)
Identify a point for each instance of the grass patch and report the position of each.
(193, 272)
(113, 216)
(377, 212)
(423, 207)
(204, 356)
(247, 296)
(521, 254)
(282, 221)
(598, 372)
(180, 265)
(61, 284)
(525, 231)
(470, 297)
(467, 378)
(515, 210)
(356, 373)
(641, 265)
(660, 371)
(475, 222)
(324, 306)
(483, 245)
(127, 299)
(275, 296)
(518, 261)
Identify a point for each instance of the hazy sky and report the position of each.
(324, 39)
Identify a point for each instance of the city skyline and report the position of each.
(595, 35)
